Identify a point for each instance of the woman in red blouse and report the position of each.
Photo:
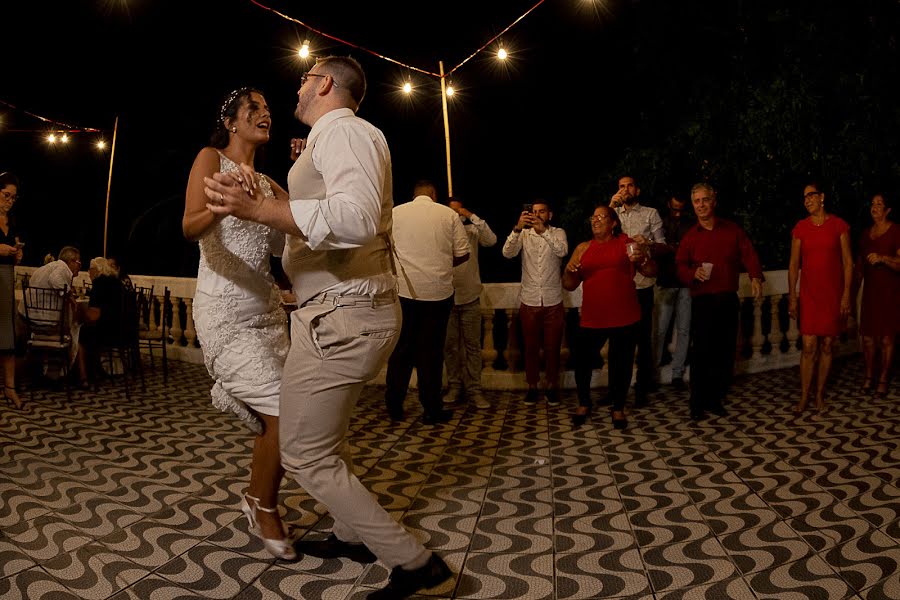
(820, 244)
(609, 308)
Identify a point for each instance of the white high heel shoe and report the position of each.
(282, 548)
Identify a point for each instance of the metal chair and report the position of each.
(48, 314)
(151, 335)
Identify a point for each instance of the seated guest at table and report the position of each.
(58, 275)
(103, 315)
(119, 268)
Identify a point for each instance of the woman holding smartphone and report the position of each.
(10, 255)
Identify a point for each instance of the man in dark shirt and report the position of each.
(709, 261)
(672, 298)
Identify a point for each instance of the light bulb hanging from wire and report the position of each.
(304, 50)
(502, 54)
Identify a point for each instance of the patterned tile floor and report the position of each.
(103, 497)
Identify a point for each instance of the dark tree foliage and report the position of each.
(756, 98)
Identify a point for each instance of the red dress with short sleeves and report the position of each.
(879, 315)
(821, 275)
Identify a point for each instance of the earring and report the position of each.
(233, 129)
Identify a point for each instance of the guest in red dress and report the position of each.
(878, 268)
(820, 245)
(609, 308)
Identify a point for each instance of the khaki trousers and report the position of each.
(334, 352)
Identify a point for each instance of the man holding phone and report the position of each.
(543, 247)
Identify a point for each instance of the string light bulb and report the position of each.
(101, 145)
(450, 90)
(51, 138)
(64, 139)
(304, 50)
(502, 54)
(407, 88)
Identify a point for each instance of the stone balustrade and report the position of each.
(767, 338)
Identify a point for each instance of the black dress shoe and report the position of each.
(439, 416)
(531, 396)
(396, 414)
(578, 419)
(404, 583)
(332, 547)
(641, 400)
(717, 409)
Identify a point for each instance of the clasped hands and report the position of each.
(234, 193)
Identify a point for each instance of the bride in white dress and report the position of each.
(237, 312)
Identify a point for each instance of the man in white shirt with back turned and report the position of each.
(429, 240)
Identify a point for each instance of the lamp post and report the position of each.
(112, 155)
(446, 128)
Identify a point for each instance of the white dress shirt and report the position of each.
(645, 221)
(542, 256)
(467, 276)
(341, 195)
(427, 236)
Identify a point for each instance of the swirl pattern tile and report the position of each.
(104, 497)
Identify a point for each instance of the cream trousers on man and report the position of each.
(334, 352)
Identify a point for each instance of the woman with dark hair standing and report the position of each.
(609, 308)
(878, 269)
(10, 255)
(237, 310)
(820, 244)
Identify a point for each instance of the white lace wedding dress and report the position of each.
(238, 315)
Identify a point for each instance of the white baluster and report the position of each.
(757, 339)
(488, 351)
(775, 335)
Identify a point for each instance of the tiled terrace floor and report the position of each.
(103, 497)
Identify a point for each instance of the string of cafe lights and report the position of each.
(57, 132)
(447, 89)
(407, 87)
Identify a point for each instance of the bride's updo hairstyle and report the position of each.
(230, 107)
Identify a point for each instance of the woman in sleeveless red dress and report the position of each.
(820, 246)
(878, 267)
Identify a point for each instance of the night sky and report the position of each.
(551, 122)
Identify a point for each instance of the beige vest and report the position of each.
(313, 272)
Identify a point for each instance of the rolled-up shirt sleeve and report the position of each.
(353, 162)
(557, 240)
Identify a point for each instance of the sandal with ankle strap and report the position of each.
(282, 548)
(881, 390)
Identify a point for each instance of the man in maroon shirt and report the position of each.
(709, 261)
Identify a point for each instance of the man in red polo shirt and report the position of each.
(709, 261)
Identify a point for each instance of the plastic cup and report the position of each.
(707, 268)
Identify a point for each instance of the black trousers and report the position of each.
(714, 324)
(646, 364)
(421, 345)
(620, 361)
